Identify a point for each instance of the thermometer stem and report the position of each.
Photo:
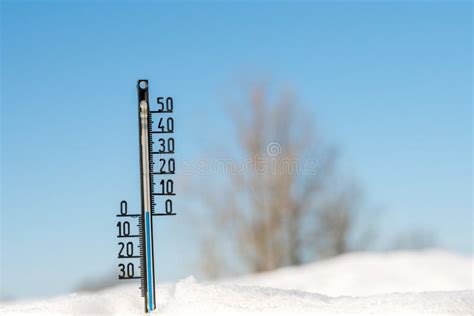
(147, 243)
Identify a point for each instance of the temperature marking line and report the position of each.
(128, 215)
(129, 236)
(163, 152)
(163, 214)
(159, 132)
(153, 112)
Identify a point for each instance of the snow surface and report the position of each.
(402, 283)
(363, 274)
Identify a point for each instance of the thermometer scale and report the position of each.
(157, 165)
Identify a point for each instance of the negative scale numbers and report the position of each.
(128, 228)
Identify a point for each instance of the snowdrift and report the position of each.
(362, 274)
(403, 283)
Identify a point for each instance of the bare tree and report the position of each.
(272, 213)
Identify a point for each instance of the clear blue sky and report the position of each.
(390, 83)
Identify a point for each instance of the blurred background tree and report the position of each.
(288, 205)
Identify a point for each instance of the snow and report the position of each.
(363, 274)
(399, 283)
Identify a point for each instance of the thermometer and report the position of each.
(155, 126)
